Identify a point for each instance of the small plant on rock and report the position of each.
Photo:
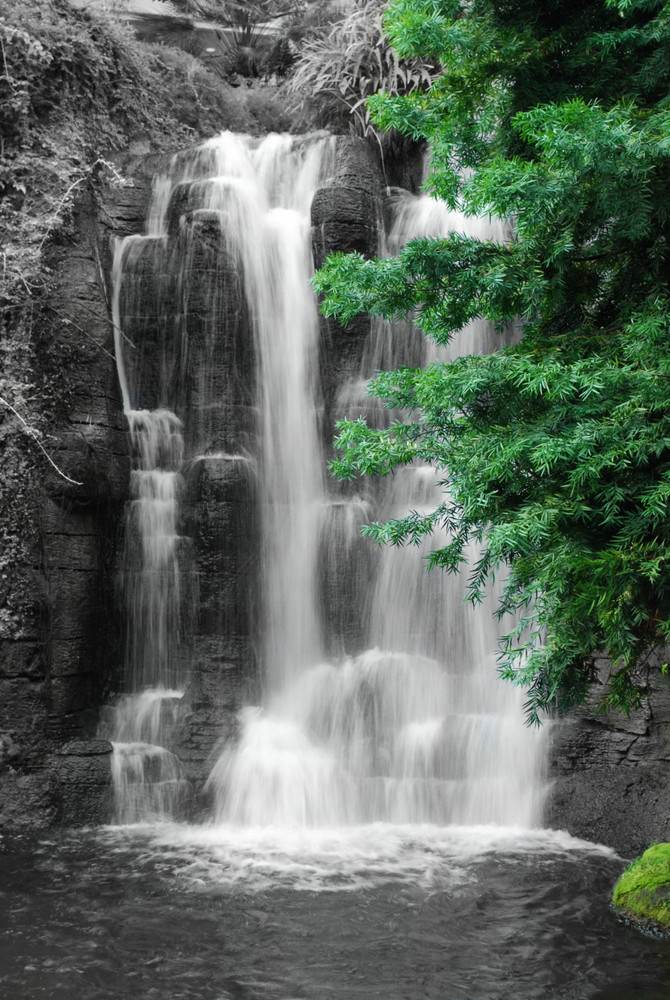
(340, 68)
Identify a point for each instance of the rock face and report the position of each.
(219, 514)
(346, 216)
(81, 771)
(610, 772)
(54, 675)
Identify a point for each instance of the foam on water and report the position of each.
(336, 858)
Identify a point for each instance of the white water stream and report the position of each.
(411, 727)
(147, 777)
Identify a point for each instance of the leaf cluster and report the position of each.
(554, 452)
(339, 69)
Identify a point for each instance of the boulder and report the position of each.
(82, 770)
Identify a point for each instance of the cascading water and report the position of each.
(416, 728)
(255, 197)
(456, 748)
(147, 777)
(402, 721)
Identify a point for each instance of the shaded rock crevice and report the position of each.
(609, 771)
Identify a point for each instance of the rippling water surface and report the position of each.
(390, 912)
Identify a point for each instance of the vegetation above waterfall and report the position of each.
(75, 87)
(555, 451)
(344, 63)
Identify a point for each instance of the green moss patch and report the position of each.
(642, 894)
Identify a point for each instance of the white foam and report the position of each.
(339, 858)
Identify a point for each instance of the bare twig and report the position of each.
(84, 305)
(4, 58)
(33, 434)
(59, 206)
(70, 322)
(75, 184)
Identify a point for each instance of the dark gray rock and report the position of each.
(346, 211)
(345, 220)
(346, 216)
(223, 680)
(29, 799)
(357, 163)
(217, 362)
(58, 658)
(82, 770)
(22, 658)
(610, 772)
(220, 513)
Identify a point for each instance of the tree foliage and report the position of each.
(554, 452)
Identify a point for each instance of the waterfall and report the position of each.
(414, 728)
(456, 748)
(148, 779)
(377, 697)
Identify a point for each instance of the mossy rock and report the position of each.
(642, 894)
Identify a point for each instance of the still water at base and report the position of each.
(216, 912)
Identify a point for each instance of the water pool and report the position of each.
(402, 913)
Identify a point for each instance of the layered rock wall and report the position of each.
(608, 773)
(61, 660)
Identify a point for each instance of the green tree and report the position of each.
(554, 453)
